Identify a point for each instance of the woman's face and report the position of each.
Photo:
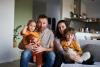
(61, 27)
(32, 26)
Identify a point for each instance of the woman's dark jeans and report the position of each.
(59, 59)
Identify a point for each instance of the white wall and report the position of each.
(7, 52)
(54, 9)
(67, 6)
(90, 7)
(93, 8)
(83, 7)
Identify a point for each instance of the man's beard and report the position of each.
(42, 29)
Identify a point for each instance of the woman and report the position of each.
(60, 52)
(61, 26)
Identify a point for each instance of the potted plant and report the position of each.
(16, 36)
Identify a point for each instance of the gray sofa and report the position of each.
(94, 48)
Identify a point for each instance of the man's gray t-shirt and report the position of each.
(46, 37)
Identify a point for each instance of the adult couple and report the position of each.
(50, 58)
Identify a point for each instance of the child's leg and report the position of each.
(39, 59)
(34, 57)
(74, 56)
(86, 56)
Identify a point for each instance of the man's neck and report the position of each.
(43, 30)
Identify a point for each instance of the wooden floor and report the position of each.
(14, 64)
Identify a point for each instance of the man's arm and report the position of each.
(51, 43)
(50, 48)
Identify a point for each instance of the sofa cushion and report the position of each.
(96, 64)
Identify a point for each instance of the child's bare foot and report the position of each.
(34, 59)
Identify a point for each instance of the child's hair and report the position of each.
(70, 29)
(31, 36)
(30, 21)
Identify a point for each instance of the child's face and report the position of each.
(69, 36)
(32, 26)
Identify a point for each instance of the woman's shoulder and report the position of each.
(56, 38)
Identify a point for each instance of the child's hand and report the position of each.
(25, 27)
(23, 32)
(39, 49)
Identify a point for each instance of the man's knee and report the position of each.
(25, 54)
(51, 56)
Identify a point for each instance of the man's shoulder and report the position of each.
(49, 31)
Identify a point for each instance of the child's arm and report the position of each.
(23, 32)
(77, 47)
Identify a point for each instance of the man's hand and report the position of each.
(39, 49)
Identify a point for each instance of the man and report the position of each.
(47, 38)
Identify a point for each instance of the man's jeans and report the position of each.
(26, 57)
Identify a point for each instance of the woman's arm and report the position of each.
(58, 46)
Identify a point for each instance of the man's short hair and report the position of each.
(42, 16)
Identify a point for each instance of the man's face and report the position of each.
(42, 24)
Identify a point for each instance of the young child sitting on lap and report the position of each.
(34, 40)
(31, 38)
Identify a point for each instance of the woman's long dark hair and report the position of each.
(58, 34)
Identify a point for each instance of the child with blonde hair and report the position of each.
(31, 38)
(34, 40)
